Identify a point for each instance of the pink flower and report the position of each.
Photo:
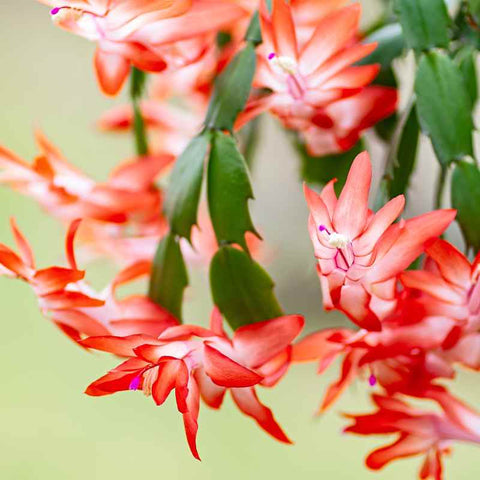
(195, 362)
(359, 252)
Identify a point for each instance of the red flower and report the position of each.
(342, 123)
(407, 356)
(196, 361)
(419, 432)
(359, 252)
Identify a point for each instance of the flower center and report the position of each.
(338, 240)
(286, 64)
(149, 378)
(344, 255)
(335, 240)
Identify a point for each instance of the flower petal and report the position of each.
(432, 284)
(247, 401)
(317, 207)
(378, 225)
(23, 245)
(166, 380)
(190, 416)
(409, 243)
(405, 446)
(122, 346)
(354, 301)
(330, 36)
(284, 30)
(259, 342)
(211, 393)
(112, 71)
(226, 372)
(453, 265)
(351, 211)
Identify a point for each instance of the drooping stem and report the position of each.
(137, 87)
(391, 159)
(440, 187)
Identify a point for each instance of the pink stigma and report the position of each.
(372, 380)
(54, 11)
(323, 228)
(135, 383)
(271, 55)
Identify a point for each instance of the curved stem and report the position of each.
(440, 187)
(137, 86)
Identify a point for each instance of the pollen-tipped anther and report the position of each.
(62, 14)
(285, 64)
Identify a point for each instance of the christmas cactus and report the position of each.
(199, 75)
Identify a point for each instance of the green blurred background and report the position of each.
(49, 429)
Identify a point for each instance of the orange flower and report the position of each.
(73, 305)
(141, 33)
(126, 207)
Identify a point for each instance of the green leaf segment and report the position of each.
(444, 106)
(169, 276)
(241, 289)
(466, 200)
(424, 22)
(229, 190)
(183, 196)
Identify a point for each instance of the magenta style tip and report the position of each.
(135, 383)
(372, 380)
(54, 11)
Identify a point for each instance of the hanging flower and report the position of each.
(195, 362)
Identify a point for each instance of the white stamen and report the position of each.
(286, 64)
(67, 15)
(149, 378)
(337, 240)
